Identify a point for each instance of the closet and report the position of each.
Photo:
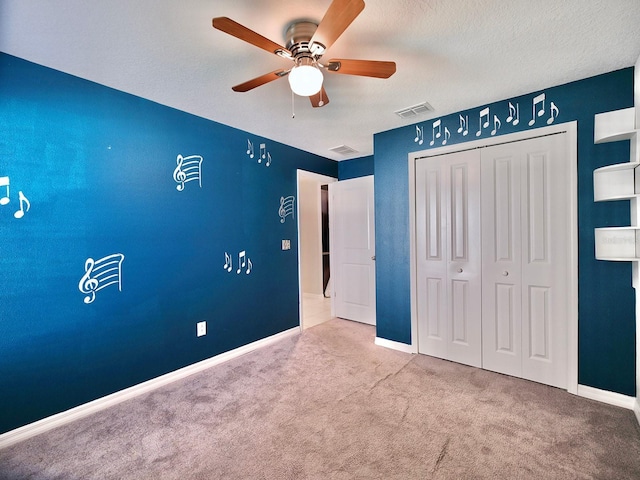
(492, 257)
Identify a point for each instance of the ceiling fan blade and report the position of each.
(365, 68)
(336, 20)
(243, 33)
(261, 80)
(320, 99)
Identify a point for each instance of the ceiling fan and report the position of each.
(306, 42)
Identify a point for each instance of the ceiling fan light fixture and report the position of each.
(305, 80)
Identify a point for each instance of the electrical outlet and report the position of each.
(286, 244)
(201, 329)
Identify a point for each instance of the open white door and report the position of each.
(352, 240)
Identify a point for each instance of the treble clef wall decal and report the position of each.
(178, 175)
(87, 284)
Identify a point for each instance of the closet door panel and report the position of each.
(431, 234)
(505, 320)
(545, 240)
(449, 257)
(459, 314)
(435, 309)
(537, 205)
(465, 262)
(501, 271)
(538, 319)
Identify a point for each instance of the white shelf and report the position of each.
(616, 182)
(615, 126)
(618, 243)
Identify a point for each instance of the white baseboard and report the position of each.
(19, 434)
(402, 347)
(605, 396)
(636, 409)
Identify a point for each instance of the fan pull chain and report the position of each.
(293, 111)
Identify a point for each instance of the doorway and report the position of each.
(313, 249)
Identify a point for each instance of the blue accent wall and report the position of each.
(96, 173)
(355, 168)
(606, 299)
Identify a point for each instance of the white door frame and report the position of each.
(571, 129)
(321, 180)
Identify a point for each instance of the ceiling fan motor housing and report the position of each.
(298, 37)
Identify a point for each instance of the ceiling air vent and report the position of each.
(415, 110)
(343, 150)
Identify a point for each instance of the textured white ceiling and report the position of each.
(453, 54)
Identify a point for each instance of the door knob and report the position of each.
(373, 258)
(460, 270)
(505, 273)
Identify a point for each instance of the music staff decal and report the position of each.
(23, 201)
(100, 274)
(244, 263)
(188, 169)
(286, 208)
(263, 154)
(488, 121)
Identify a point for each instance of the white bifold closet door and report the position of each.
(525, 259)
(492, 241)
(449, 256)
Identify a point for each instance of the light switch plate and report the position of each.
(286, 244)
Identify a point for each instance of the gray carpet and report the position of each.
(329, 404)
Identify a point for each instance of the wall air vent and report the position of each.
(343, 150)
(414, 111)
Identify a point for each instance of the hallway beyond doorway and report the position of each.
(316, 309)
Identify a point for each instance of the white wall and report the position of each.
(310, 236)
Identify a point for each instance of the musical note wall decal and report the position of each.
(286, 208)
(4, 182)
(100, 274)
(263, 156)
(447, 136)
(514, 114)
(437, 125)
(554, 113)
(496, 125)
(187, 170)
(464, 125)
(263, 152)
(484, 113)
(23, 201)
(244, 262)
(419, 135)
(228, 262)
(538, 108)
(488, 115)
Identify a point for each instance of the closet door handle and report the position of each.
(460, 270)
(373, 258)
(505, 274)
